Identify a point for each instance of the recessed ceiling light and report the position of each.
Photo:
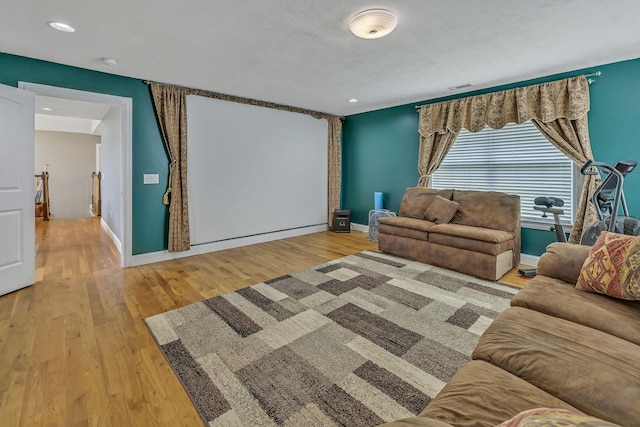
(373, 23)
(109, 61)
(353, 100)
(60, 26)
(46, 109)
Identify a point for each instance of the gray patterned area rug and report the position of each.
(358, 341)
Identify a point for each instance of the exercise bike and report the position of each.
(607, 199)
(548, 205)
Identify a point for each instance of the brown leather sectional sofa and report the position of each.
(555, 347)
(476, 232)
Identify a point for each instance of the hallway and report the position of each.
(70, 247)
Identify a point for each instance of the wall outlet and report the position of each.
(109, 213)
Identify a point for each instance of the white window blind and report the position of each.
(516, 159)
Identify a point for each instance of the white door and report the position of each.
(17, 189)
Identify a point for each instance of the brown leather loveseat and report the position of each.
(473, 232)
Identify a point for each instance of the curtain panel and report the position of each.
(559, 109)
(571, 137)
(171, 111)
(433, 150)
(335, 167)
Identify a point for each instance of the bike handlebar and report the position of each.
(587, 165)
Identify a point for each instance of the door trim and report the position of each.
(126, 123)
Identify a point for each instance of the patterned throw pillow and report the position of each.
(550, 417)
(603, 268)
(630, 274)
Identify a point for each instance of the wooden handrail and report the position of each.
(96, 197)
(42, 194)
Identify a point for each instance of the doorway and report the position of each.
(115, 127)
(67, 134)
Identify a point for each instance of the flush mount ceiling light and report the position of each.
(109, 61)
(373, 23)
(65, 28)
(353, 100)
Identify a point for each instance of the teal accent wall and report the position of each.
(378, 155)
(380, 148)
(150, 216)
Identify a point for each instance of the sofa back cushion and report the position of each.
(489, 209)
(416, 200)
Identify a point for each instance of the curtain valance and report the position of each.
(546, 102)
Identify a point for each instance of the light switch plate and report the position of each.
(151, 178)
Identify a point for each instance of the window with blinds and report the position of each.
(516, 159)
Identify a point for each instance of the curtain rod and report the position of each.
(249, 101)
(596, 74)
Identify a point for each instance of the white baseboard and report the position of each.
(111, 234)
(529, 259)
(360, 227)
(160, 256)
(204, 248)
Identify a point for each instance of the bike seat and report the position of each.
(548, 201)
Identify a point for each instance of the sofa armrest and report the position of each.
(563, 261)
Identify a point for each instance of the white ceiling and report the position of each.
(301, 53)
(68, 115)
(70, 108)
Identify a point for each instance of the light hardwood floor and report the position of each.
(74, 347)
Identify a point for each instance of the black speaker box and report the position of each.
(342, 221)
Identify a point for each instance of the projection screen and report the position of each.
(253, 170)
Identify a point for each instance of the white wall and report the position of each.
(110, 165)
(71, 158)
(253, 170)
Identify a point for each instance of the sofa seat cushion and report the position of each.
(477, 239)
(405, 227)
(595, 372)
(476, 233)
(556, 298)
(480, 394)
